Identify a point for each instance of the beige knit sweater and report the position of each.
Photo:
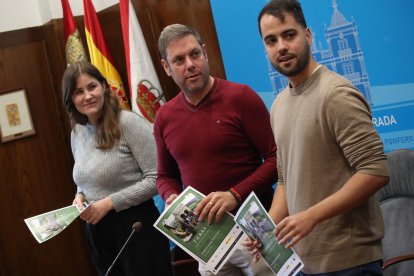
(324, 135)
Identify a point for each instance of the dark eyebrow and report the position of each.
(268, 36)
(289, 30)
(174, 58)
(283, 33)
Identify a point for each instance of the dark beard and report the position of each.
(303, 61)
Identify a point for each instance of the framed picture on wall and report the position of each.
(15, 119)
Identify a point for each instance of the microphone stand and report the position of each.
(135, 228)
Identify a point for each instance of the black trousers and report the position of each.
(147, 253)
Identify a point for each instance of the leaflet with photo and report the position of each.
(257, 225)
(211, 244)
(46, 226)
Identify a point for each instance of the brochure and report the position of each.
(46, 226)
(257, 225)
(211, 244)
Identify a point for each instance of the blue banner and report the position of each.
(354, 42)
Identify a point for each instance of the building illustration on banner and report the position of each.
(343, 55)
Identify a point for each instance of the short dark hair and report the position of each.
(173, 32)
(277, 8)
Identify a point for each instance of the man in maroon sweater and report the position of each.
(214, 136)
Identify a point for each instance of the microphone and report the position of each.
(135, 228)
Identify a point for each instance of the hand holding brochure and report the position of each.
(46, 226)
(212, 244)
(257, 225)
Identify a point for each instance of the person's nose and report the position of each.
(189, 63)
(88, 95)
(282, 47)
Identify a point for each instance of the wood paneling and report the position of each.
(36, 171)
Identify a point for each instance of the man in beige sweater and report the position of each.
(330, 158)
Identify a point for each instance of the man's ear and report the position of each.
(166, 67)
(204, 46)
(308, 34)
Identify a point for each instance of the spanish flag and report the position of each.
(74, 47)
(144, 86)
(99, 52)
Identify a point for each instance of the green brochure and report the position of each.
(257, 225)
(46, 226)
(212, 244)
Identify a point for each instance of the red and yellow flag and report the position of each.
(74, 47)
(99, 52)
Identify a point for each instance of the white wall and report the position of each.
(19, 14)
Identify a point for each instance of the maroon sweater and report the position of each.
(225, 141)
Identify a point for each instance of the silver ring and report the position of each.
(211, 203)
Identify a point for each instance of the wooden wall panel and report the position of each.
(36, 171)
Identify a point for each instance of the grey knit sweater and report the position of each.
(126, 173)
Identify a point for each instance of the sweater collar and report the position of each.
(90, 127)
(195, 108)
(295, 91)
